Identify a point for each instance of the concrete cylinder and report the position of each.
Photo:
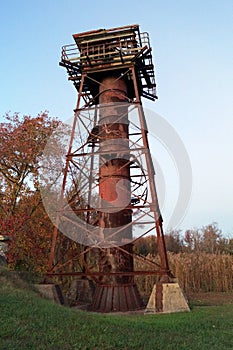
(115, 292)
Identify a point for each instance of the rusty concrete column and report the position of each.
(114, 180)
(115, 292)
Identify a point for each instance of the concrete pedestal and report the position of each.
(167, 298)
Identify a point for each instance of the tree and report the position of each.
(192, 240)
(146, 245)
(173, 241)
(211, 236)
(208, 239)
(22, 216)
(22, 141)
(30, 231)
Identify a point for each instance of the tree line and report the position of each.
(208, 239)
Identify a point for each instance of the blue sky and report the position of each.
(193, 54)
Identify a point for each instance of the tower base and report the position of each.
(80, 291)
(116, 298)
(167, 298)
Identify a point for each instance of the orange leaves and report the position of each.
(22, 140)
(22, 216)
(30, 232)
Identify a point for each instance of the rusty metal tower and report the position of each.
(112, 70)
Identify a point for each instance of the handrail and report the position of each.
(69, 51)
(124, 47)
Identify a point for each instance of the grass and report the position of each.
(29, 322)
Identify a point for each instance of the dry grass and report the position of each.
(195, 272)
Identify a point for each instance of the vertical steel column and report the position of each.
(151, 173)
(56, 230)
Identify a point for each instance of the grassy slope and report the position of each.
(30, 322)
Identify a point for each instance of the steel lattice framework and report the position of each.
(109, 153)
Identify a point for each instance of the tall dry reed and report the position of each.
(195, 272)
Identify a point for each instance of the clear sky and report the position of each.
(193, 55)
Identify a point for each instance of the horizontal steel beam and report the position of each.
(99, 274)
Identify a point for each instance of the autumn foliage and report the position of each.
(22, 216)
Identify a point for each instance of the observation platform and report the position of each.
(96, 53)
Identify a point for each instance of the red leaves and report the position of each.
(22, 216)
(22, 141)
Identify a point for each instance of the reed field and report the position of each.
(196, 272)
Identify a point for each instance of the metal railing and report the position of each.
(121, 48)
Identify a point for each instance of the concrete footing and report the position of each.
(167, 298)
(52, 292)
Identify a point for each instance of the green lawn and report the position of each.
(29, 322)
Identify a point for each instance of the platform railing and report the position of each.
(105, 51)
